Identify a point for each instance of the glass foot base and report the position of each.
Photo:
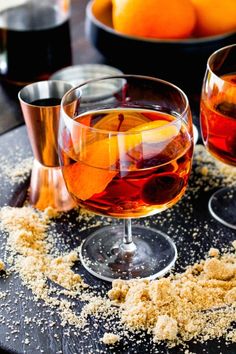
(222, 206)
(150, 255)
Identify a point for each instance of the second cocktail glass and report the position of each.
(218, 125)
(125, 145)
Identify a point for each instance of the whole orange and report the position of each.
(154, 18)
(214, 16)
(100, 6)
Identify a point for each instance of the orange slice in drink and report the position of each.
(97, 166)
(84, 181)
(151, 133)
(93, 173)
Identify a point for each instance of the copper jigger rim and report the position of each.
(45, 84)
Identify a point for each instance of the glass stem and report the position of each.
(128, 245)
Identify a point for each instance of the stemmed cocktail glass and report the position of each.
(125, 145)
(218, 125)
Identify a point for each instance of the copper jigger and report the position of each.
(40, 104)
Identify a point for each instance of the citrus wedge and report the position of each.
(151, 133)
(93, 173)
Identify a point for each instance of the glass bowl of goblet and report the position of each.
(125, 146)
(218, 125)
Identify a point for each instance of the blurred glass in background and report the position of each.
(34, 39)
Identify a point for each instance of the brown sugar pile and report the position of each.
(199, 303)
(29, 245)
(33, 256)
(27, 239)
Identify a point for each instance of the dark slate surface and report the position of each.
(188, 223)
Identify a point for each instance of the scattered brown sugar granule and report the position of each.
(212, 170)
(199, 303)
(19, 172)
(51, 212)
(2, 266)
(110, 338)
(214, 252)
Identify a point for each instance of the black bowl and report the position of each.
(182, 62)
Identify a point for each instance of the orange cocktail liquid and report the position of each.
(128, 175)
(218, 122)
